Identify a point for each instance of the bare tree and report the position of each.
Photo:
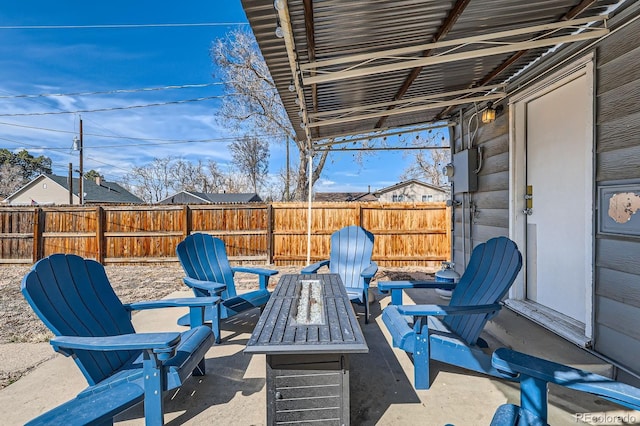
(251, 156)
(216, 178)
(252, 104)
(187, 176)
(151, 182)
(11, 179)
(235, 182)
(157, 180)
(429, 163)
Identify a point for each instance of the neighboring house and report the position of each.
(344, 196)
(189, 197)
(412, 191)
(54, 190)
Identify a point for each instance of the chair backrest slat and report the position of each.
(351, 251)
(73, 297)
(492, 269)
(204, 257)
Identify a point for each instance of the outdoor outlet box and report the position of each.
(465, 164)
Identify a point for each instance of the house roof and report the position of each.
(359, 68)
(407, 183)
(344, 196)
(207, 197)
(106, 192)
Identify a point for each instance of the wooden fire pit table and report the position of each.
(307, 330)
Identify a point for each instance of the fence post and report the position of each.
(270, 234)
(100, 240)
(37, 234)
(360, 215)
(186, 220)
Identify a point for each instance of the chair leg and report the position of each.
(366, 306)
(153, 385)
(201, 369)
(421, 360)
(215, 322)
(533, 396)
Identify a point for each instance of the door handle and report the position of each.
(528, 199)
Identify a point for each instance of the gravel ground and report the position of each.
(131, 283)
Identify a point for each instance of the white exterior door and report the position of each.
(553, 128)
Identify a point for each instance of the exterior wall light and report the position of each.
(489, 114)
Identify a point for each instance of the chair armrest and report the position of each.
(257, 271)
(396, 288)
(438, 310)
(369, 271)
(386, 286)
(313, 268)
(263, 274)
(158, 342)
(510, 361)
(185, 302)
(211, 287)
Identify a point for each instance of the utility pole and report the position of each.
(77, 146)
(70, 183)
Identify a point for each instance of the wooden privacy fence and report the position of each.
(406, 233)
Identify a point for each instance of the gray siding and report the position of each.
(617, 287)
(617, 139)
(491, 217)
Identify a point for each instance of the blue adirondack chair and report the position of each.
(205, 263)
(492, 268)
(74, 298)
(350, 257)
(536, 373)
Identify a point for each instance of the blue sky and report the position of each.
(65, 61)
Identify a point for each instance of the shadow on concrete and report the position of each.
(377, 378)
(226, 368)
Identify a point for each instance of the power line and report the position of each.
(33, 146)
(109, 26)
(115, 91)
(184, 101)
(65, 153)
(223, 139)
(107, 164)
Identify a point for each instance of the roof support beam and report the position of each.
(406, 110)
(380, 134)
(285, 22)
(385, 148)
(394, 53)
(405, 63)
(311, 45)
(452, 57)
(409, 101)
(584, 5)
(444, 29)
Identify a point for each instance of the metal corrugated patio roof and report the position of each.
(363, 66)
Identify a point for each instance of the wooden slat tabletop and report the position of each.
(278, 333)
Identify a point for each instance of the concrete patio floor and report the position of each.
(233, 391)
